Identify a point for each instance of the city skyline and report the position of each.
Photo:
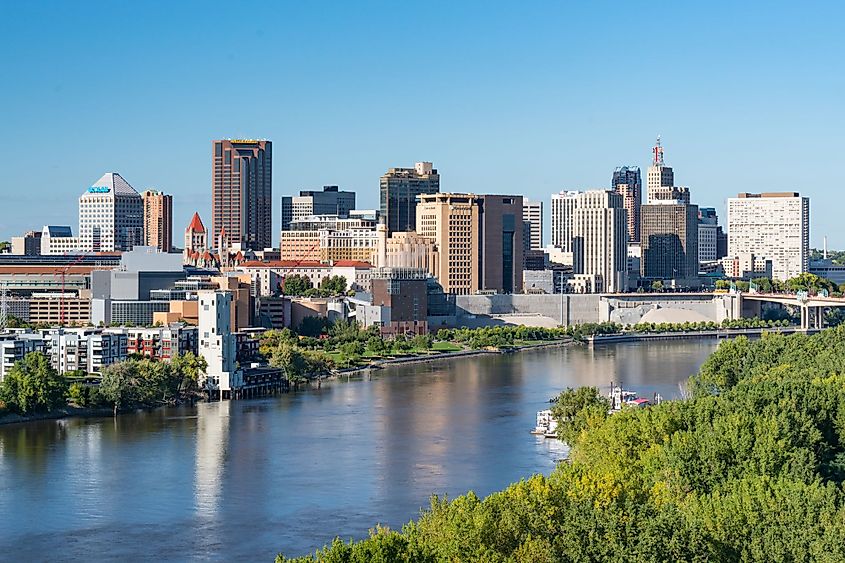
(552, 124)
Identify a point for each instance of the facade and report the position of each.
(600, 241)
(399, 189)
(532, 217)
(660, 178)
(56, 239)
(405, 249)
(331, 222)
(27, 245)
(478, 239)
(299, 245)
(563, 212)
(111, 216)
(774, 226)
(330, 201)
(628, 183)
(242, 192)
(158, 220)
(746, 266)
(217, 344)
(14, 347)
(708, 235)
(162, 343)
(403, 295)
(86, 349)
(669, 244)
(825, 268)
(57, 309)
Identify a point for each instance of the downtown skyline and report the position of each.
(734, 117)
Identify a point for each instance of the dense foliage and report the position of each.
(750, 467)
(32, 386)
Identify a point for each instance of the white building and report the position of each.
(592, 225)
(707, 239)
(660, 181)
(86, 349)
(563, 208)
(56, 239)
(532, 218)
(111, 215)
(217, 344)
(773, 226)
(14, 347)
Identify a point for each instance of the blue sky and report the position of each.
(507, 97)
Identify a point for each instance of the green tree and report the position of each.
(33, 386)
(575, 409)
(657, 285)
(296, 285)
(313, 326)
(189, 368)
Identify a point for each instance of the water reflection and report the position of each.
(242, 480)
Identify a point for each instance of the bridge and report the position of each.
(811, 306)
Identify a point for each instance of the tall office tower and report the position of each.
(196, 237)
(600, 240)
(628, 183)
(661, 180)
(111, 216)
(329, 201)
(532, 217)
(774, 226)
(478, 240)
(158, 220)
(563, 211)
(241, 192)
(399, 190)
(669, 232)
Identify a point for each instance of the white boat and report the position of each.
(546, 424)
(620, 397)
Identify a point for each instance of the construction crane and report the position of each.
(62, 273)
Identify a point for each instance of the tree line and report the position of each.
(750, 467)
(34, 386)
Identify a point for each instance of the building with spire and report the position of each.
(661, 180)
(196, 239)
(111, 215)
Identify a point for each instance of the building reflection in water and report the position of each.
(212, 442)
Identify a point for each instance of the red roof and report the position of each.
(284, 264)
(196, 225)
(352, 264)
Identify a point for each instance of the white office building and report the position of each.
(217, 344)
(111, 215)
(592, 225)
(772, 226)
(532, 219)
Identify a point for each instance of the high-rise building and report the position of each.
(241, 192)
(628, 183)
(329, 201)
(399, 190)
(532, 217)
(669, 232)
(600, 241)
(196, 238)
(708, 235)
(158, 220)
(661, 180)
(217, 344)
(563, 212)
(774, 226)
(111, 215)
(478, 241)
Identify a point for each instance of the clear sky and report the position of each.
(504, 97)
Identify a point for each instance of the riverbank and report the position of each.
(67, 412)
(680, 335)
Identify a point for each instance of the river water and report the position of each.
(244, 480)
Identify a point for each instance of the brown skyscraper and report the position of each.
(242, 191)
(158, 220)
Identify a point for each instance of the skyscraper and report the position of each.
(628, 183)
(532, 217)
(774, 226)
(563, 212)
(111, 215)
(600, 241)
(661, 180)
(669, 232)
(478, 240)
(329, 201)
(241, 192)
(399, 190)
(158, 220)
